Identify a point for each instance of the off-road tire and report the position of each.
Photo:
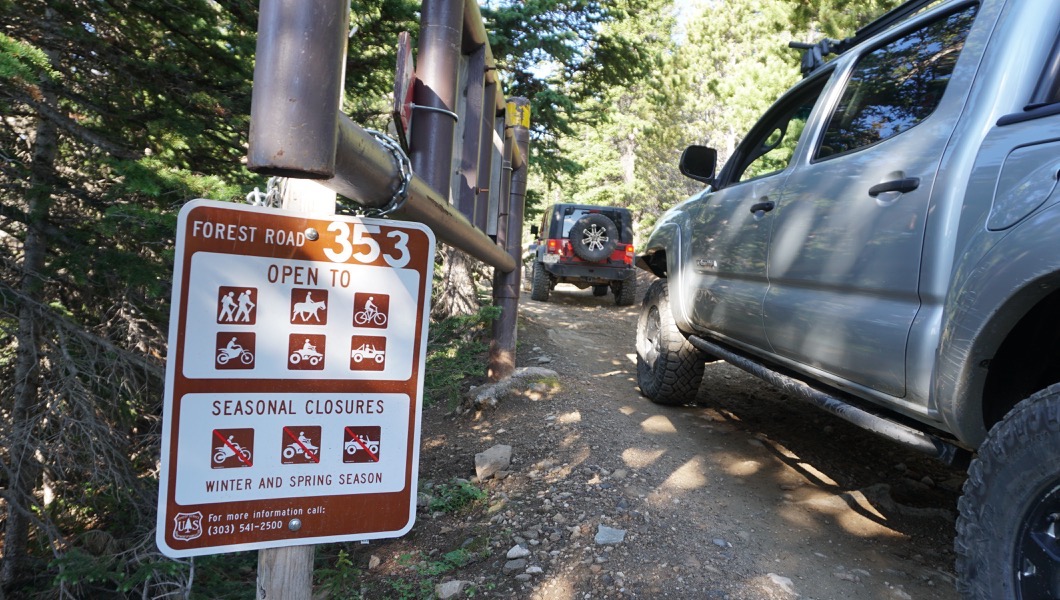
(1010, 506)
(593, 237)
(600, 290)
(669, 369)
(625, 291)
(540, 284)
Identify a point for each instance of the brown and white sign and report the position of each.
(294, 380)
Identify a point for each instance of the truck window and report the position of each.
(770, 146)
(897, 85)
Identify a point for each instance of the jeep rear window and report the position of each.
(897, 85)
(571, 215)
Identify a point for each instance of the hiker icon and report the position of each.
(228, 308)
(237, 305)
(246, 304)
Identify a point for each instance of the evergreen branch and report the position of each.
(68, 125)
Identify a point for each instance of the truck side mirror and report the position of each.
(533, 230)
(699, 162)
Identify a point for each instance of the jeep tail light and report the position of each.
(629, 254)
(552, 247)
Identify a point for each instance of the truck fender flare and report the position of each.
(983, 309)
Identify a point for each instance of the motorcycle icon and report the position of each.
(226, 354)
(367, 351)
(297, 448)
(352, 446)
(311, 356)
(226, 451)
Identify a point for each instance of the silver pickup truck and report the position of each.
(885, 243)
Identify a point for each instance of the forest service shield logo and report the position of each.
(187, 526)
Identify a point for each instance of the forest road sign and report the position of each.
(294, 379)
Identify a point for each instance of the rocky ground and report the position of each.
(749, 494)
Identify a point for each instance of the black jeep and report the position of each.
(585, 246)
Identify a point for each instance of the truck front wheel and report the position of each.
(1008, 531)
(669, 369)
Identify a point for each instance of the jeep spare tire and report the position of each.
(593, 237)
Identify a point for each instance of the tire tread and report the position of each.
(674, 382)
(1033, 422)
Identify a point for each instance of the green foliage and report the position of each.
(455, 352)
(373, 55)
(23, 63)
(340, 581)
(455, 496)
(560, 54)
(720, 67)
(92, 574)
(115, 115)
(229, 576)
(427, 572)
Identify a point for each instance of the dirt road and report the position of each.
(747, 495)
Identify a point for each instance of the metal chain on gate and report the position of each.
(401, 195)
(270, 198)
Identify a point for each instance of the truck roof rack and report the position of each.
(813, 54)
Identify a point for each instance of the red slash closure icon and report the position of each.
(230, 448)
(358, 439)
(301, 448)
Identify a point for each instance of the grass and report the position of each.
(456, 349)
(455, 496)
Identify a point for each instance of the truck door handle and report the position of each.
(898, 185)
(763, 206)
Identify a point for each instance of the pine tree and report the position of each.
(115, 113)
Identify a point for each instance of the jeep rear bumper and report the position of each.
(589, 272)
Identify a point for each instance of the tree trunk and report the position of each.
(24, 469)
(456, 293)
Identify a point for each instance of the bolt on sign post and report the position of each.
(294, 379)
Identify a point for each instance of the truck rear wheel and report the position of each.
(669, 369)
(540, 284)
(1008, 531)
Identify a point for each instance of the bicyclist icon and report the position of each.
(371, 310)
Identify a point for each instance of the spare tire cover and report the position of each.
(593, 237)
